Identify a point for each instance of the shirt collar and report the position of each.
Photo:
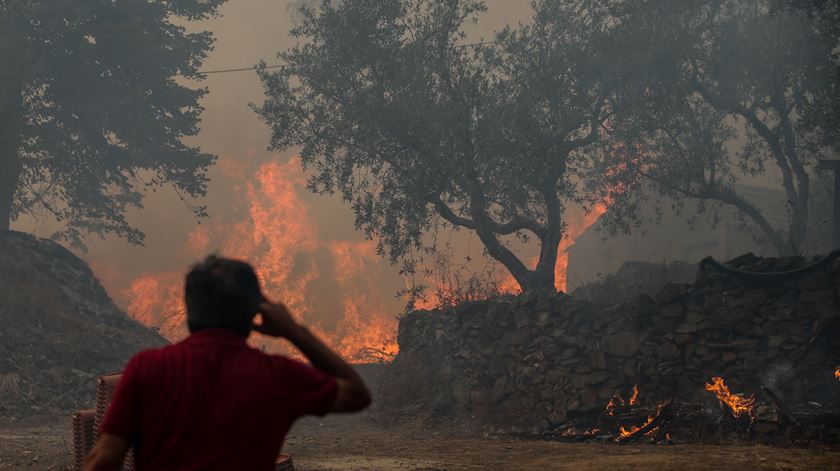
(215, 337)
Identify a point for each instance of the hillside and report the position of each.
(59, 329)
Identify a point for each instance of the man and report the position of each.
(211, 401)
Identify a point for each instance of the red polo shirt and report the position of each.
(213, 402)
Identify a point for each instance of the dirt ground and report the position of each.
(359, 443)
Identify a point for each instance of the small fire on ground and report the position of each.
(612, 423)
(650, 428)
(736, 404)
(625, 420)
(618, 401)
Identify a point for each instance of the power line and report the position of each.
(224, 71)
(277, 66)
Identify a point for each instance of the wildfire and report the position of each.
(278, 234)
(736, 404)
(367, 325)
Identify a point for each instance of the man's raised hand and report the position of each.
(353, 395)
(277, 321)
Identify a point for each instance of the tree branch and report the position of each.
(771, 136)
(447, 213)
(728, 196)
(594, 126)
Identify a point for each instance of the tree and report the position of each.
(92, 114)
(824, 110)
(730, 89)
(393, 109)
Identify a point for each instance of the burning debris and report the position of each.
(735, 404)
(608, 424)
(775, 421)
(655, 427)
(618, 401)
(737, 409)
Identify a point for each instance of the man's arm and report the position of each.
(107, 455)
(353, 395)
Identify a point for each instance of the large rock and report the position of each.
(623, 344)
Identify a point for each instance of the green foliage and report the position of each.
(92, 113)
(726, 91)
(415, 128)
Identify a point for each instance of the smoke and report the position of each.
(779, 373)
(295, 7)
(304, 246)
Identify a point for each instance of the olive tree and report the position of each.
(415, 126)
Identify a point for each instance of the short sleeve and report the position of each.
(123, 416)
(312, 392)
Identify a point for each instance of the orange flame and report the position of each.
(574, 229)
(736, 404)
(633, 429)
(837, 373)
(367, 329)
(623, 432)
(618, 400)
(279, 237)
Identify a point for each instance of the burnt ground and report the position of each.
(361, 443)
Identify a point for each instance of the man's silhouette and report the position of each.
(213, 402)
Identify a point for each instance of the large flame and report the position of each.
(736, 404)
(367, 328)
(279, 236)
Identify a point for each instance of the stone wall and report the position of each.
(531, 360)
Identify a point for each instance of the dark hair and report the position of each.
(222, 293)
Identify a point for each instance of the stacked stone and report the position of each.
(532, 360)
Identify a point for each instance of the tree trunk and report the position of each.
(11, 109)
(17, 56)
(545, 275)
(782, 246)
(529, 280)
(9, 174)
